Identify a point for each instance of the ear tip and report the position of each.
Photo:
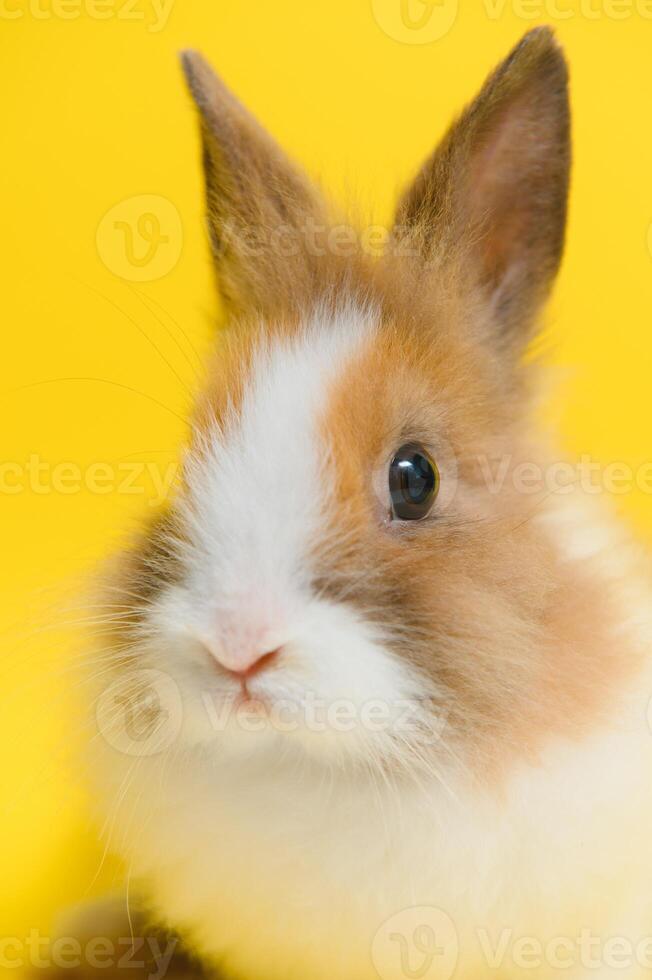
(194, 66)
(539, 34)
(190, 60)
(542, 37)
(205, 86)
(541, 48)
(537, 59)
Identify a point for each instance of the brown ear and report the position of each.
(494, 192)
(259, 205)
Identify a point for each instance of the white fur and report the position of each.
(279, 860)
(254, 513)
(281, 868)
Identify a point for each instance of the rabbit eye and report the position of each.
(413, 483)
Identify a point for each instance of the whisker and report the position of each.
(146, 300)
(105, 381)
(141, 331)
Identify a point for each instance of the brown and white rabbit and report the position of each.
(365, 689)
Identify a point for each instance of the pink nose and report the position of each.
(254, 666)
(244, 645)
(242, 662)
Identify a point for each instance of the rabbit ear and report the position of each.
(259, 205)
(494, 192)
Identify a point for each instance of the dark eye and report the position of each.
(413, 483)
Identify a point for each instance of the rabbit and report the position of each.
(363, 712)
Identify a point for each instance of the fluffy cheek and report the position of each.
(336, 691)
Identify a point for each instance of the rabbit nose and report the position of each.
(244, 646)
(255, 664)
(243, 656)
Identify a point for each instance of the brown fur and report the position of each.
(475, 595)
(268, 225)
(128, 942)
(522, 646)
(497, 185)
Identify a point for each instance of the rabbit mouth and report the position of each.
(256, 704)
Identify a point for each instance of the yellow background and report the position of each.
(95, 112)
